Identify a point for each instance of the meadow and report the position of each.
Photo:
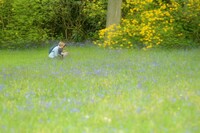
(97, 90)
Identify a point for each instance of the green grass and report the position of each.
(100, 90)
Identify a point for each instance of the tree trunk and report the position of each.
(113, 12)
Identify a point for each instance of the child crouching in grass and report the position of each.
(57, 51)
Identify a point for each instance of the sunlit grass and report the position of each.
(100, 90)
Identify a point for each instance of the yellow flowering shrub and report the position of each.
(147, 24)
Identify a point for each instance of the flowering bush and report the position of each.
(150, 24)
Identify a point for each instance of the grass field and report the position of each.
(100, 91)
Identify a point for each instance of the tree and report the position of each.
(113, 12)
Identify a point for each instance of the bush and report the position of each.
(95, 12)
(23, 25)
(187, 22)
(147, 24)
(26, 24)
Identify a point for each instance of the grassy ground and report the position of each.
(97, 90)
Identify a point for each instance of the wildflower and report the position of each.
(106, 119)
(1, 87)
(150, 46)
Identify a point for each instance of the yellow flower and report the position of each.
(157, 43)
(150, 46)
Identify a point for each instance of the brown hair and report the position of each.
(61, 44)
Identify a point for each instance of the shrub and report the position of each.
(95, 12)
(149, 24)
(187, 21)
(23, 25)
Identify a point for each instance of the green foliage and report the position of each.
(95, 13)
(187, 20)
(26, 24)
(68, 19)
(145, 24)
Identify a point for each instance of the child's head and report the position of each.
(61, 44)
